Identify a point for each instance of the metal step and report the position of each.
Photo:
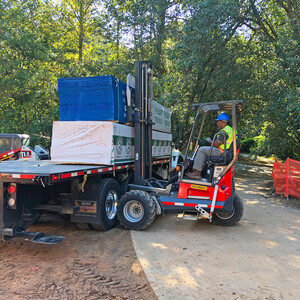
(192, 216)
(203, 212)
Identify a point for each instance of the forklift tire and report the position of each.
(136, 210)
(109, 196)
(230, 219)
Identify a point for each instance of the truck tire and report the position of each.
(83, 226)
(136, 210)
(124, 188)
(230, 219)
(108, 201)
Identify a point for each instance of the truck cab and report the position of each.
(18, 146)
(13, 141)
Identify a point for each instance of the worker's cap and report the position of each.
(223, 117)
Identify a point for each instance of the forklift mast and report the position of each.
(143, 121)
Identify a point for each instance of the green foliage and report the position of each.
(274, 83)
(27, 86)
(247, 145)
(202, 51)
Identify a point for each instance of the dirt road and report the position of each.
(258, 259)
(86, 265)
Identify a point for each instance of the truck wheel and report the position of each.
(97, 227)
(109, 195)
(230, 218)
(124, 188)
(83, 226)
(136, 210)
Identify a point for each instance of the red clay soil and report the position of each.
(86, 265)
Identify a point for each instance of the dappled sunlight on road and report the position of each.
(199, 271)
(144, 262)
(185, 276)
(294, 261)
(161, 246)
(290, 238)
(271, 244)
(256, 230)
(252, 202)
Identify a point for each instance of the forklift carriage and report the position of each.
(212, 197)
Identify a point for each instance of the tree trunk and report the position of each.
(163, 6)
(81, 32)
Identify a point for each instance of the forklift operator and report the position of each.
(218, 146)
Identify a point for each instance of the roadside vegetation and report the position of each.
(202, 51)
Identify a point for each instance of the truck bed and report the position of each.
(47, 172)
(50, 172)
(43, 167)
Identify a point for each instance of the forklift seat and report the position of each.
(226, 157)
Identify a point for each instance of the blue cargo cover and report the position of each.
(98, 98)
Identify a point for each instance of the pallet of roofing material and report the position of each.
(103, 143)
(161, 117)
(161, 144)
(98, 98)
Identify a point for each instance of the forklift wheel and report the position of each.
(230, 219)
(136, 210)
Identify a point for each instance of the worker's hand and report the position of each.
(208, 139)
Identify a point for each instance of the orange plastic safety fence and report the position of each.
(286, 177)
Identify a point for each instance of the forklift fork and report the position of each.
(212, 208)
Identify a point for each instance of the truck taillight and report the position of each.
(11, 189)
(11, 202)
(12, 196)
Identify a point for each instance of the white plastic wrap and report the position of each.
(101, 143)
(161, 117)
(84, 142)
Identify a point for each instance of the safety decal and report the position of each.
(198, 187)
(86, 206)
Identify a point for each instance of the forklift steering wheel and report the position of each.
(202, 142)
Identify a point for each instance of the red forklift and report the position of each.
(212, 197)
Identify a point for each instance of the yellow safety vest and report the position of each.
(229, 140)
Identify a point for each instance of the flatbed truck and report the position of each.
(88, 193)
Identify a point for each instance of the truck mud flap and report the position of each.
(36, 237)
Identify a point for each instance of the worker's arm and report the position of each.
(220, 140)
(216, 144)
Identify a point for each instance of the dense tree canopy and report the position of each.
(202, 50)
